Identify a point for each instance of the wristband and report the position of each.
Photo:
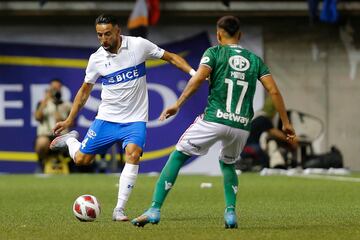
(192, 72)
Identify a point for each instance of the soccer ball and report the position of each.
(86, 208)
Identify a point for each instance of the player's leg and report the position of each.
(70, 141)
(83, 159)
(195, 141)
(232, 146)
(80, 158)
(133, 136)
(42, 149)
(168, 177)
(127, 180)
(230, 190)
(165, 182)
(98, 139)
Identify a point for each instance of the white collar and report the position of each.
(234, 45)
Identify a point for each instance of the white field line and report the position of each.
(334, 178)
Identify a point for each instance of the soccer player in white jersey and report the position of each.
(119, 64)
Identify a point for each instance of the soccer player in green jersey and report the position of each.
(232, 72)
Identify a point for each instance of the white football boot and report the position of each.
(119, 215)
(60, 141)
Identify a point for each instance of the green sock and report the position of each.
(230, 185)
(168, 177)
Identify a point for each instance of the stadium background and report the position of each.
(315, 64)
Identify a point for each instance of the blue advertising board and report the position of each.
(25, 71)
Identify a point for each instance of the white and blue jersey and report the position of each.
(124, 96)
(123, 111)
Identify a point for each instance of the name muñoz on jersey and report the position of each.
(235, 71)
(124, 95)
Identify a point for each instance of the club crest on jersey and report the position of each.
(239, 63)
(205, 60)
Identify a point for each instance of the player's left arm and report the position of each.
(269, 84)
(192, 86)
(178, 62)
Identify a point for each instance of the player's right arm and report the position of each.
(81, 97)
(205, 68)
(79, 101)
(271, 87)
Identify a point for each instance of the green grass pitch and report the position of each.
(271, 207)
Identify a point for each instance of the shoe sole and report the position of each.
(138, 224)
(143, 223)
(53, 143)
(121, 220)
(231, 226)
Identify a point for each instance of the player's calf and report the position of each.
(82, 159)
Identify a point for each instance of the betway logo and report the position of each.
(232, 117)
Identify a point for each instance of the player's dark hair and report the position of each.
(230, 24)
(106, 19)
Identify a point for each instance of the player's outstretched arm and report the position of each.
(192, 86)
(178, 61)
(271, 87)
(79, 101)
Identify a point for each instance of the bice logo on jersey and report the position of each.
(125, 75)
(239, 63)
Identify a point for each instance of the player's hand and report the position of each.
(289, 132)
(61, 126)
(170, 111)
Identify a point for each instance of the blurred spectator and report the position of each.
(49, 111)
(263, 146)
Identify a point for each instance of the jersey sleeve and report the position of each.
(91, 72)
(263, 69)
(208, 58)
(151, 49)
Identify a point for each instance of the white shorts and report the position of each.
(201, 135)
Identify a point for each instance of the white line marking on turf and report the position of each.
(334, 178)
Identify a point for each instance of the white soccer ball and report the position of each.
(86, 208)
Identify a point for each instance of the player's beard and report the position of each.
(109, 48)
